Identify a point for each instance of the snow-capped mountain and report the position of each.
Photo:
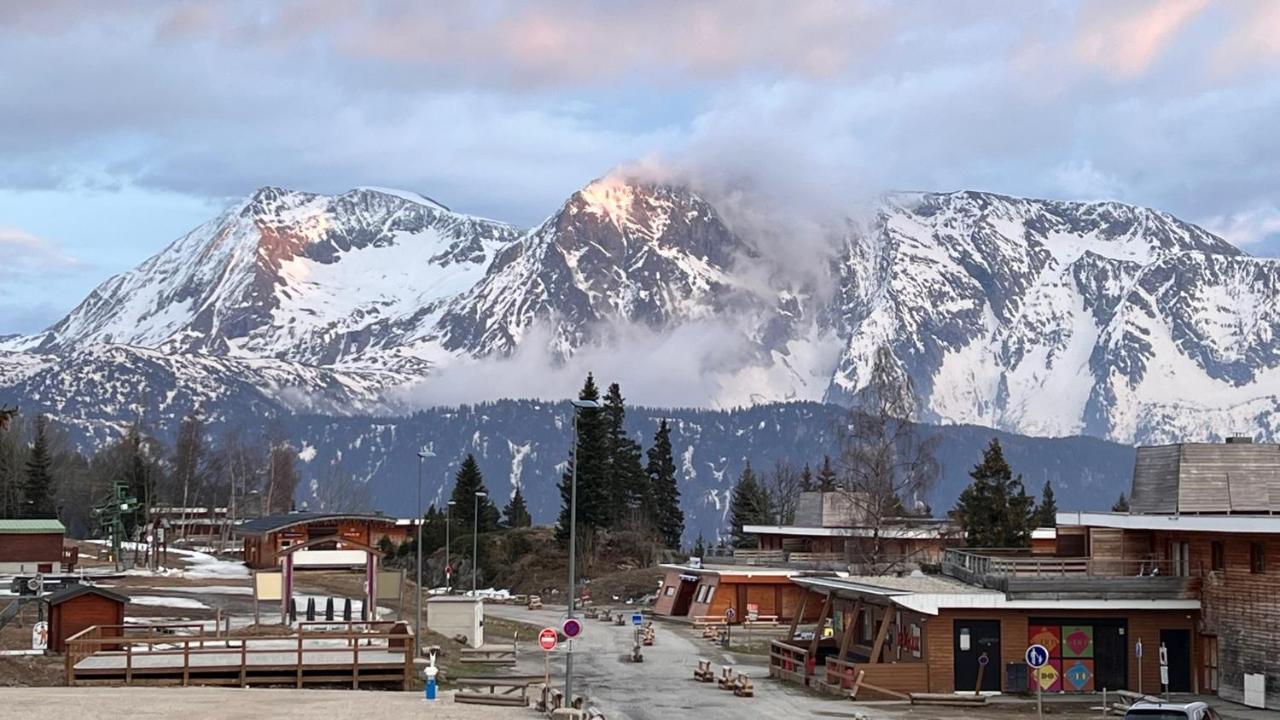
(1036, 317)
(297, 276)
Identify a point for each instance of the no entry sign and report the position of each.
(547, 639)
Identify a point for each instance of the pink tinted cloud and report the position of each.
(1254, 36)
(1126, 38)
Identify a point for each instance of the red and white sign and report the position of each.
(571, 628)
(547, 639)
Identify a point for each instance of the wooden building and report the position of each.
(31, 546)
(1209, 513)
(709, 591)
(340, 534)
(832, 530)
(930, 633)
(80, 607)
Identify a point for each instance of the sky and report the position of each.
(125, 124)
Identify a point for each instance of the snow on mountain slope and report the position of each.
(292, 275)
(1033, 316)
(617, 252)
(1054, 318)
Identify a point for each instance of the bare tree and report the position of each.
(783, 483)
(884, 460)
(339, 491)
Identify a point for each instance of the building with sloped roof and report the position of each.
(336, 537)
(31, 545)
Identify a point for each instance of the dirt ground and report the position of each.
(145, 703)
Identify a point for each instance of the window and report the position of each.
(671, 590)
(711, 591)
(1217, 557)
(702, 594)
(868, 622)
(1210, 645)
(1180, 558)
(1257, 559)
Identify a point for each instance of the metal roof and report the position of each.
(74, 591)
(274, 523)
(1252, 524)
(34, 526)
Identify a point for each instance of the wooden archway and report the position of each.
(370, 609)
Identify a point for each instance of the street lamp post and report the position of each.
(573, 539)
(448, 569)
(475, 541)
(423, 454)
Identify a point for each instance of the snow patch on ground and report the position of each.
(168, 602)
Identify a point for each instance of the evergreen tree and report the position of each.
(806, 479)
(38, 488)
(13, 465)
(664, 504)
(466, 484)
(1121, 505)
(995, 510)
(699, 547)
(1047, 512)
(749, 505)
(826, 475)
(628, 485)
(516, 513)
(591, 457)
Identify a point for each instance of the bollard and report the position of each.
(346, 610)
(430, 674)
(328, 609)
(311, 609)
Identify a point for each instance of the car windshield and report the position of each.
(1156, 714)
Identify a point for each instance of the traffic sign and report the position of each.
(571, 628)
(730, 614)
(637, 619)
(1037, 656)
(983, 659)
(547, 639)
(753, 612)
(40, 636)
(1164, 654)
(1137, 649)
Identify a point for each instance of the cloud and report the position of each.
(1126, 38)
(27, 253)
(1247, 229)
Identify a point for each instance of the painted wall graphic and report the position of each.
(1078, 675)
(1050, 676)
(1050, 636)
(1077, 641)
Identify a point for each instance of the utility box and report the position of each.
(451, 616)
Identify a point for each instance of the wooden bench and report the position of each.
(727, 680)
(493, 691)
(704, 672)
(534, 602)
(743, 687)
(648, 635)
(705, 620)
(490, 655)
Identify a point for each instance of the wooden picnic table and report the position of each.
(509, 690)
(490, 653)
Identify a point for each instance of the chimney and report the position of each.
(1239, 440)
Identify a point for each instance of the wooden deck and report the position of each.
(355, 653)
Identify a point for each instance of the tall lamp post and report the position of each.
(448, 569)
(578, 406)
(475, 541)
(423, 454)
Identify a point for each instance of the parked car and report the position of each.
(1171, 711)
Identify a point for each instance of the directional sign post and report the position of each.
(729, 615)
(1037, 657)
(637, 619)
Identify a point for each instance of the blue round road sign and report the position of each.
(1037, 656)
(983, 659)
(730, 614)
(571, 628)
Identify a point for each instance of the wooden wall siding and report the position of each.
(940, 648)
(665, 602)
(1242, 609)
(1155, 480)
(1222, 478)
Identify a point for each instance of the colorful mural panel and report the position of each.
(1050, 677)
(1050, 636)
(1078, 675)
(1077, 641)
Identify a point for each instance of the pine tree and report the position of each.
(628, 485)
(995, 510)
(664, 504)
(806, 479)
(1121, 505)
(749, 505)
(1047, 512)
(516, 513)
(38, 488)
(591, 457)
(826, 475)
(699, 547)
(466, 484)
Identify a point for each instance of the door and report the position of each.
(1209, 652)
(1111, 654)
(973, 639)
(1177, 644)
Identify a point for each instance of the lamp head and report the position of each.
(586, 404)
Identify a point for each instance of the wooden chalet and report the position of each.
(340, 537)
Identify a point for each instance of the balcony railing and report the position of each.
(1018, 573)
